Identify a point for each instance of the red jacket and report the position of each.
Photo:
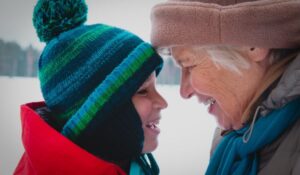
(47, 152)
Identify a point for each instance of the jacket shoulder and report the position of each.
(284, 157)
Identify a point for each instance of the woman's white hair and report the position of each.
(227, 57)
(230, 57)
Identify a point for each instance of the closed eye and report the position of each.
(142, 92)
(190, 68)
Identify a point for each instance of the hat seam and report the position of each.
(220, 28)
(224, 8)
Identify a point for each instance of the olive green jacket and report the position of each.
(282, 157)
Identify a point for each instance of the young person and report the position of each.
(101, 107)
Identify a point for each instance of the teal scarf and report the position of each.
(144, 165)
(234, 157)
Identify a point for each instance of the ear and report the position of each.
(257, 54)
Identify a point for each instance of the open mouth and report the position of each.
(210, 101)
(153, 126)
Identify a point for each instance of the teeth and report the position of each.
(209, 101)
(153, 125)
(213, 101)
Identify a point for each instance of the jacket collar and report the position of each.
(287, 89)
(50, 153)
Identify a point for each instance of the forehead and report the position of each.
(150, 79)
(182, 54)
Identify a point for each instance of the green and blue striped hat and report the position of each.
(86, 71)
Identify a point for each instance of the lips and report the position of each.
(208, 101)
(153, 125)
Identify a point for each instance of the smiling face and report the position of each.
(226, 92)
(148, 103)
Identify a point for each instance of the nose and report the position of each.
(161, 103)
(186, 90)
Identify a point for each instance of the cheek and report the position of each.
(215, 83)
(150, 140)
(203, 82)
(143, 107)
(150, 144)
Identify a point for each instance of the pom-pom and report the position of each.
(52, 17)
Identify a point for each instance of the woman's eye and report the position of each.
(189, 68)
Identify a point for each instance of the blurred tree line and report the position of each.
(170, 74)
(15, 61)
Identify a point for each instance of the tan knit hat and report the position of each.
(259, 23)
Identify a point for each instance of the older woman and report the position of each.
(241, 58)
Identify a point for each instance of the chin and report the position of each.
(148, 148)
(228, 126)
(223, 125)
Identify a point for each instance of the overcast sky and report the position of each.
(133, 15)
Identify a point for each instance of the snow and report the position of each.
(184, 142)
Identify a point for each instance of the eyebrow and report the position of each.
(181, 62)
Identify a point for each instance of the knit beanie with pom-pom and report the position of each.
(88, 75)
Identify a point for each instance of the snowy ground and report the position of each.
(185, 139)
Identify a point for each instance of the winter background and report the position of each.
(186, 127)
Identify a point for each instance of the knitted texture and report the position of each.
(50, 18)
(88, 75)
(106, 89)
(72, 64)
